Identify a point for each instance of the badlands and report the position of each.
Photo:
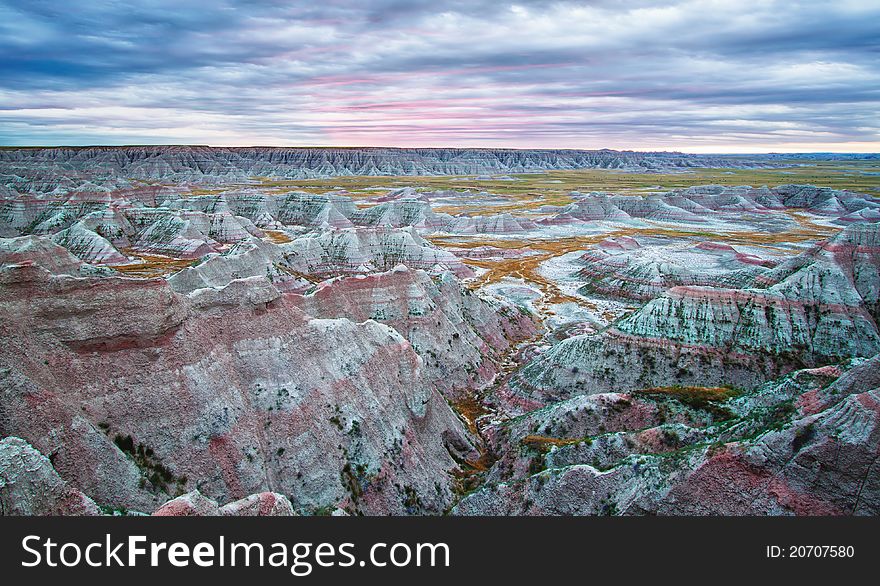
(273, 331)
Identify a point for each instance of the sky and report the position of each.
(695, 76)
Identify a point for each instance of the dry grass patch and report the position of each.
(540, 441)
(153, 265)
(277, 236)
(699, 397)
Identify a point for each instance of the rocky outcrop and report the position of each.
(418, 214)
(38, 251)
(817, 308)
(805, 444)
(811, 305)
(305, 209)
(248, 258)
(350, 250)
(700, 204)
(67, 168)
(106, 232)
(195, 504)
(240, 399)
(461, 338)
(236, 387)
(180, 329)
(29, 485)
(265, 504)
(623, 268)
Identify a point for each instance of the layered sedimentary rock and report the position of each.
(195, 504)
(805, 444)
(237, 388)
(77, 168)
(108, 227)
(418, 214)
(240, 400)
(461, 338)
(820, 305)
(815, 308)
(304, 209)
(249, 258)
(297, 265)
(351, 250)
(180, 331)
(39, 251)
(29, 485)
(190, 227)
(700, 204)
(88, 245)
(623, 268)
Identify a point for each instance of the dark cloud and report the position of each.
(652, 74)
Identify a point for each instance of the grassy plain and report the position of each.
(532, 190)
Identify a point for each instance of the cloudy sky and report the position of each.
(702, 76)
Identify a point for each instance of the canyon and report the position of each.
(268, 331)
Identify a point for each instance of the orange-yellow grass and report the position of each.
(526, 267)
(470, 410)
(207, 191)
(854, 175)
(152, 265)
(808, 225)
(277, 236)
(699, 395)
(542, 440)
(305, 276)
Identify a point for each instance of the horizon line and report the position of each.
(499, 148)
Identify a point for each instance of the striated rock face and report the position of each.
(97, 234)
(244, 399)
(330, 235)
(305, 209)
(623, 268)
(844, 270)
(700, 204)
(33, 170)
(811, 305)
(246, 259)
(350, 250)
(805, 444)
(299, 264)
(29, 485)
(461, 338)
(42, 252)
(418, 214)
(602, 363)
(123, 226)
(236, 387)
(816, 308)
(179, 331)
(194, 504)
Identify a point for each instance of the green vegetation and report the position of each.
(708, 399)
(154, 472)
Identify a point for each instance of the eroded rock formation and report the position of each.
(140, 392)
